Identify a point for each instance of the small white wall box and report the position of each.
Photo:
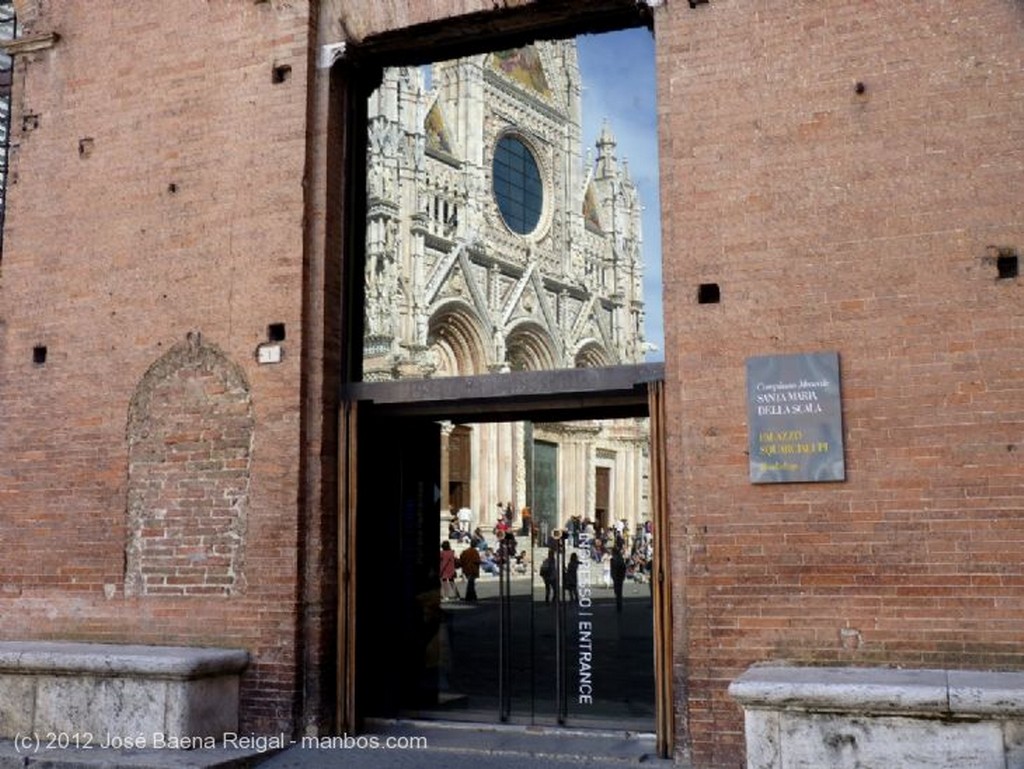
(268, 353)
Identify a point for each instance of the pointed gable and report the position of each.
(524, 67)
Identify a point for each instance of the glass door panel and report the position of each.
(519, 650)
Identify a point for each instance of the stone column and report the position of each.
(446, 431)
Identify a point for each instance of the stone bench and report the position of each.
(119, 691)
(840, 717)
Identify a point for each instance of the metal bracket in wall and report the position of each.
(29, 43)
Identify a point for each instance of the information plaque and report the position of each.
(794, 414)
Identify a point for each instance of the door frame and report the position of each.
(558, 395)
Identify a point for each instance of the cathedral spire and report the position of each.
(606, 164)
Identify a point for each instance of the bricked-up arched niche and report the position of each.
(190, 438)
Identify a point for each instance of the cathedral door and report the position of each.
(602, 495)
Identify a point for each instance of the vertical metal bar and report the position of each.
(561, 707)
(508, 631)
(504, 633)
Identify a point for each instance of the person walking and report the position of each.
(469, 562)
(449, 590)
(526, 516)
(547, 573)
(570, 580)
(618, 573)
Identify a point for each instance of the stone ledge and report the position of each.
(925, 692)
(881, 717)
(118, 691)
(62, 658)
(975, 692)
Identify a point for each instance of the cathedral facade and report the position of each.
(496, 244)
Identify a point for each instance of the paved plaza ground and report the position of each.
(389, 745)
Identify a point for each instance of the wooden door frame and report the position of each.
(622, 391)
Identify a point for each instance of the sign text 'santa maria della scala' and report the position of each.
(794, 414)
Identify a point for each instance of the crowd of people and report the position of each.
(635, 547)
(622, 554)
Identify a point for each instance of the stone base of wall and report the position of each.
(102, 691)
(808, 718)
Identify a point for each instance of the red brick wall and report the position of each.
(162, 193)
(860, 223)
(182, 212)
(174, 182)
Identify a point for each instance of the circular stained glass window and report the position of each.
(517, 185)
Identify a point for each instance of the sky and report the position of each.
(617, 70)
